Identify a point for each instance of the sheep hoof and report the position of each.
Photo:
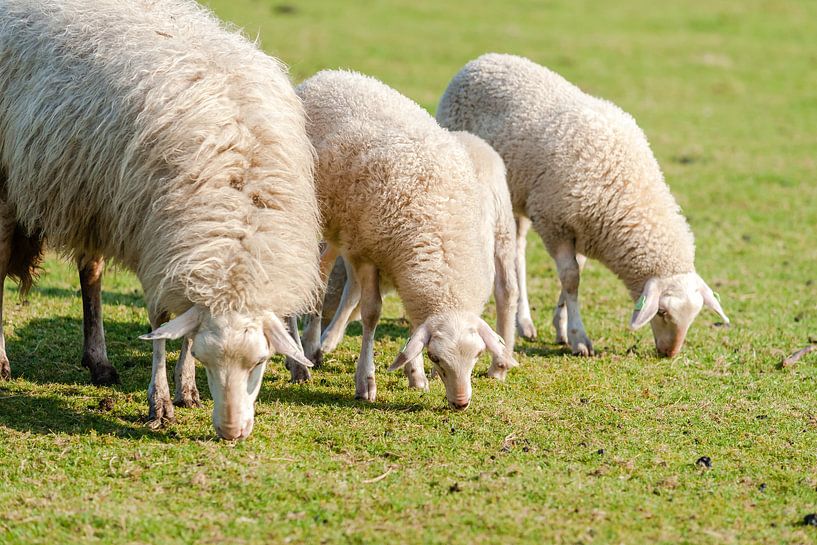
(161, 411)
(315, 357)
(418, 381)
(497, 373)
(366, 389)
(561, 339)
(187, 397)
(298, 373)
(5, 368)
(526, 329)
(102, 373)
(584, 349)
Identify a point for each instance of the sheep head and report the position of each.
(454, 340)
(671, 304)
(234, 349)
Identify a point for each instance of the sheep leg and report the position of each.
(569, 274)
(160, 406)
(334, 332)
(298, 372)
(506, 296)
(524, 322)
(184, 376)
(560, 313)
(94, 352)
(6, 233)
(312, 333)
(370, 304)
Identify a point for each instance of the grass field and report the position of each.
(568, 450)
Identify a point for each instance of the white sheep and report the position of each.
(581, 170)
(399, 202)
(145, 132)
(490, 179)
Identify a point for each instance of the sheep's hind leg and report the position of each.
(6, 236)
(160, 406)
(524, 321)
(298, 372)
(560, 313)
(94, 352)
(187, 393)
(370, 304)
(567, 264)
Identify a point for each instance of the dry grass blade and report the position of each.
(795, 357)
(379, 477)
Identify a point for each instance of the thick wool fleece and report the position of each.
(397, 190)
(578, 166)
(146, 132)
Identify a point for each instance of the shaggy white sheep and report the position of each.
(582, 171)
(490, 176)
(399, 201)
(145, 132)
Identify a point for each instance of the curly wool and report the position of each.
(146, 132)
(577, 165)
(397, 190)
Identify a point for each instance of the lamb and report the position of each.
(581, 171)
(399, 202)
(490, 175)
(145, 132)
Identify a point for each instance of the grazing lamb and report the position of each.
(490, 175)
(143, 131)
(582, 172)
(399, 203)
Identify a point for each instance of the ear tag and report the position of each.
(717, 296)
(640, 303)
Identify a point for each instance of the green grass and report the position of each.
(725, 91)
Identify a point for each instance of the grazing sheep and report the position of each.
(490, 175)
(582, 172)
(145, 132)
(399, 203)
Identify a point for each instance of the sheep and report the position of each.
(581, 171)
(147, 133)
(398, 201)
(490, 175)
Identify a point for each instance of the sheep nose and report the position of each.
(232, 433)
(460, 406)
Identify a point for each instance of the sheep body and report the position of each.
(398, 201)
(581, 169)
(145, 132)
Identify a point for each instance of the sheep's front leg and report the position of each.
(569, 274)
(298, 372)
(560, 313)
(370, 304)
(524, 322)
(94, 352)
(334, 332)
(416, 373)
(160, 406)
(187, 393)
(312, 333)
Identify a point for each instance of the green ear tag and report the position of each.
(640, 303)
(717, 296)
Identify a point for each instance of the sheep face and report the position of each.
(671, 304)
(454, 341)
(234, 349)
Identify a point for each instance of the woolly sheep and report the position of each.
(399, 203)
(490, 175)
(582, 172)
(145, 132)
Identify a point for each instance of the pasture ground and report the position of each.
(568, 450)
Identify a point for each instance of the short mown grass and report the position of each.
(568, 450)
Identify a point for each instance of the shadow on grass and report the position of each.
(387, 329)
(108, 297)
(309, 394)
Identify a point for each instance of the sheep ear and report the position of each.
(281, 341)
(712, 300)
(646, 307)
(414, 347)
(502, 355)
(176, 328)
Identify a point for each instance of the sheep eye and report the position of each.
(433, 358)
(259, 362)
